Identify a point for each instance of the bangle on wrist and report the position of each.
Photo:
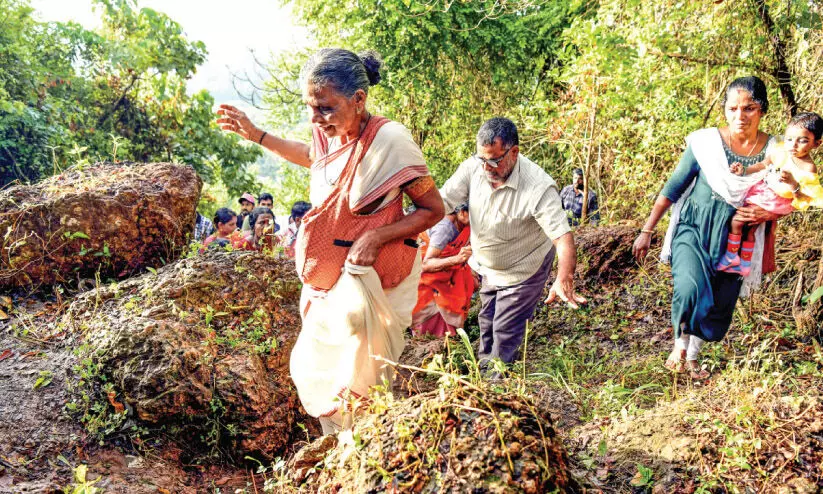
(644, 230)
(260, 141)
(796, 190)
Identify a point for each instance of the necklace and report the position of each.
(751, 149)
(325, 158)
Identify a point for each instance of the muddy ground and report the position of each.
(628, 424)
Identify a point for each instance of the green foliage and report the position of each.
(80, 484)
(448, 66)
(644, 477)
(43, 379)
(640, 76)
(286, 182)
(69, 95)
(90, 397)
(815, 295)
(611, 86)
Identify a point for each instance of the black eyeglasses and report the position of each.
(494, 163)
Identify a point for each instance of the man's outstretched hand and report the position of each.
(564, 290)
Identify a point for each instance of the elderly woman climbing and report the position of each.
(705, 194)
(356, 251)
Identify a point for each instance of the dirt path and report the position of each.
(33, 390)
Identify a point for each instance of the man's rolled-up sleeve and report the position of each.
(456, 189)
(550, 215)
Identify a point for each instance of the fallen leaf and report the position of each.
(118, 407)
(638, 480)
(637, 315)
(6, 354)
(223, 481)
(43, 380)
(3, 315)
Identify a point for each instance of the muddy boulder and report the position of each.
(462, 439)
(200, 346)
(111, 218)
(605, 253)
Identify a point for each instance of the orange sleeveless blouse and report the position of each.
(329, 230)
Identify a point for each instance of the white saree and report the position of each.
(346, 327)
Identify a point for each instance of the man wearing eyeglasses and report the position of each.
(517, 226)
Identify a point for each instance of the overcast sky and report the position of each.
(229, 29)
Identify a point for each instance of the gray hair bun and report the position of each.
(372, 61)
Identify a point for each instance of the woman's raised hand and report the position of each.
(235, 120)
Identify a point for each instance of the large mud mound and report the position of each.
(605, 253)
(201, 346)
(111, 218)
(457, 440)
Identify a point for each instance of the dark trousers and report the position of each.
(505, 310)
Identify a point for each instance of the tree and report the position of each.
(611, 86)
(449, 66)
(67, 93)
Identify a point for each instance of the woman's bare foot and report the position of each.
(696, 372)
(676, 361)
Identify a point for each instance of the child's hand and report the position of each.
(736, 168)
(788, 179)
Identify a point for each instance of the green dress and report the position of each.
(702, 297)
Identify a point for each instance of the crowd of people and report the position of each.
(254, 228)
(371, 270)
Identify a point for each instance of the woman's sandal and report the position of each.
(676, 365)
(696, 372)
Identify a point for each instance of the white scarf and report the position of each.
(707, 146)
(392, 160)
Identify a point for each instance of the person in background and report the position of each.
(225, 221)
(263, 227)
(517, 225)
(446, 286)
(572, 197)
(203, 227)
(298, 210)
(247, 203)
(264, 200)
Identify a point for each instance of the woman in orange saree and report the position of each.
(447, 283)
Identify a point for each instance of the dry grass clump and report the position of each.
(753, 428)
(459, 438)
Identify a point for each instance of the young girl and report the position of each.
(791, 182)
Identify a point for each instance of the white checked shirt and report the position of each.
(512, 227)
